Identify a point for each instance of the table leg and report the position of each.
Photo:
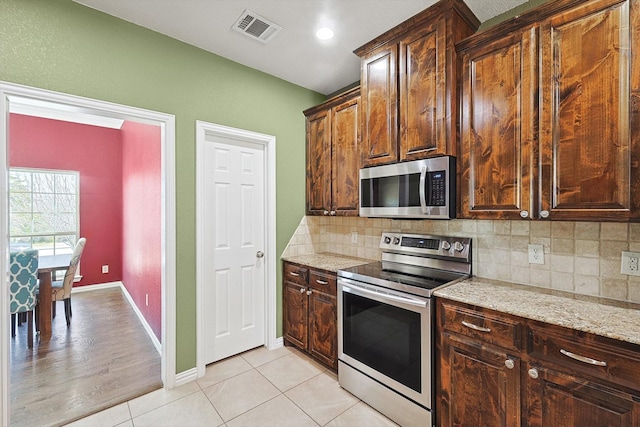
(44, 305)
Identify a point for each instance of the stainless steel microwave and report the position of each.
(416, 189)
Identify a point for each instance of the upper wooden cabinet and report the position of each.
(408, 82)
(549, 115)
(333, 155)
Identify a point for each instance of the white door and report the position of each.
(234, 236)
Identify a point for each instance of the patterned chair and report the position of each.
(23, 275)
(61, 289)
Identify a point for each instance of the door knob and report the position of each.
(259, 254)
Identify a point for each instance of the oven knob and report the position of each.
(459, 247)
(387, 239)
(396, 240)
(446, 245)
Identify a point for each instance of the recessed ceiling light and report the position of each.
(324, 33)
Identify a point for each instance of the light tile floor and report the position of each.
(281, 387)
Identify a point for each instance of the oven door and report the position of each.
(386, 335)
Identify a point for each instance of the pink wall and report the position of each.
(142, 221)
(96, 153)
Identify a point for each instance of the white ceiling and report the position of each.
(294, 54)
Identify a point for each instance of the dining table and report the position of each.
(47, 266)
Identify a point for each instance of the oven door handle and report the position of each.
(396, 298)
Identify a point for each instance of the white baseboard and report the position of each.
(186, 376)
(145, 325)
(279, 342)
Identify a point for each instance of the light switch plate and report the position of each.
(630, 263)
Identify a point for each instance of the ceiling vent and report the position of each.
(256, 27)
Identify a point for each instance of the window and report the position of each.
(44, 210)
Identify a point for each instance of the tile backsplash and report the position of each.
(579, 257)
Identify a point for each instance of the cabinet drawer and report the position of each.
(295, 273)
(321, 281)
(587, 354)
(490, 328)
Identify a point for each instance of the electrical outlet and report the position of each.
(630, 263)
(354, 237)
(105, 269)
(536, 254)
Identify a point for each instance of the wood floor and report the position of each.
(104, 358)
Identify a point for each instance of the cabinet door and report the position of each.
(295, 311)
(379, 106)
(585, 111)
(423, 103)
(319, 163)
(477, 388)
(498, 128)
(323, 335)
(345, 157)
(557, 399)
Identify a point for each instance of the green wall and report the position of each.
(65, 47)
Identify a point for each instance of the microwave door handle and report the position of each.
(423, 192)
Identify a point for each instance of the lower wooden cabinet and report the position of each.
(495, 369)
(310, 312)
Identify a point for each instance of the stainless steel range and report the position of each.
(385, 323)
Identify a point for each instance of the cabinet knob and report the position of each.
(524, 214)
(509, 364)
(302, 290)
(309, 292)
(259, 254)
(533, 373)
(325, 212)
(544, 214)
(332, 213)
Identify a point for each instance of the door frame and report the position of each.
(10, 92)
(203, 130)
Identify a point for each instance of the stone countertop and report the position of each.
(327, 261)
(609, 318)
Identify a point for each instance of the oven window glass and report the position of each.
(384, 337)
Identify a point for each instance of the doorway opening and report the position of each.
(12, 98)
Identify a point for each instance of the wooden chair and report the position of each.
(61, 289)
(23, 278)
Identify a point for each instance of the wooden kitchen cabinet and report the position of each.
(295, 305)
(498, 369)
(310, 312)
(498, 127)
(408, 82)
(579, 379)
(549, 115)
(479, 379)
(333, 155)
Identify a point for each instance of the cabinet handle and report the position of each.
(476, 327)
(583, 359)
(544, 214)
(309, 292)
(524, 214)
(509, 364)
(321, 282)
(325, 212)
(294, 274)
(302, 290)
(533, 373)
(332, 213)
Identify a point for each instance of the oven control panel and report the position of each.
(448, 246)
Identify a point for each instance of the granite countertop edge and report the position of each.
(605, 317)
(327, 261)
